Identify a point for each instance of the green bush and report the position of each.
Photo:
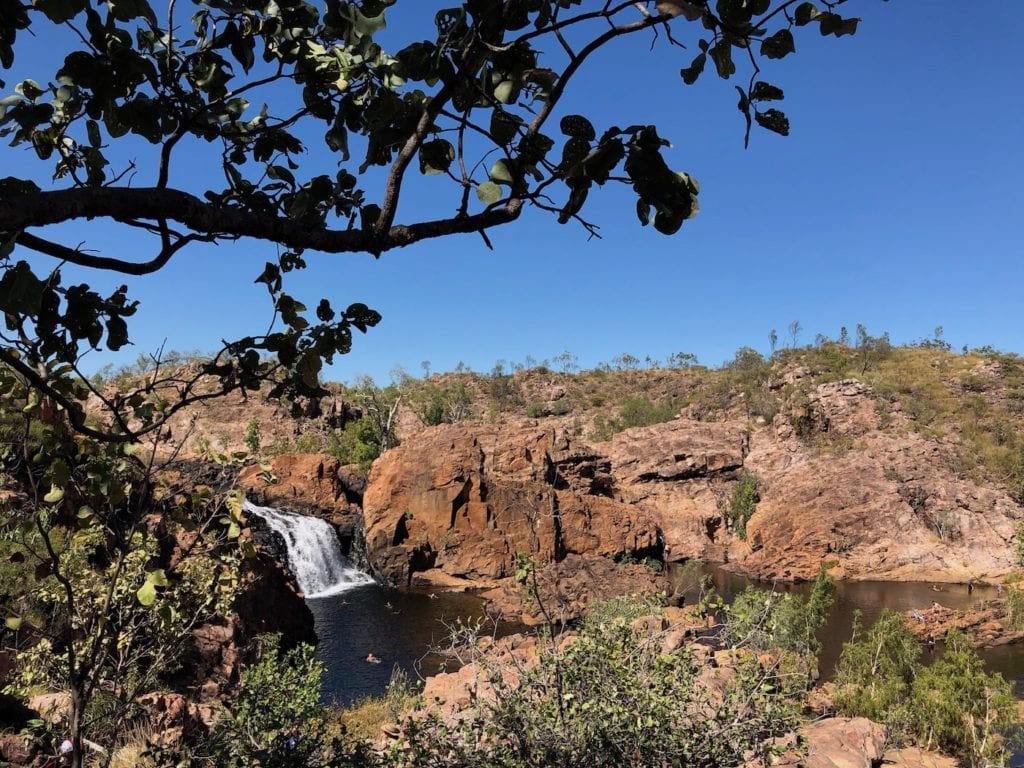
(634, 412)
(958, 708)
(952, 704)
(768, 620)
(743, 504)
(877, 669)
(276, 720)
(357, 444)
(605, 699)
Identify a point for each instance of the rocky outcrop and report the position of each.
(879, 504)
(679, 471)
(987, 624)
(307, 483)
(567, 588)
(173, 717)
(841, 479)
(915, 757)
(466, 498)
(841, 742)
(838, 482)
(269, 602)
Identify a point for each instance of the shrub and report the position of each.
(276, 720)
(782, 621)
(252, 436)
(957, 707)
(952, 704)
(743, 504)
(877, 669)
(608, 698)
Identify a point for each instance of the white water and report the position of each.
(314, 553)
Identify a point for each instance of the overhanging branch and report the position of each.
(210, 221)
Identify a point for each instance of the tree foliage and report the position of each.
(610, 697)
(952, 704)
(258, 94)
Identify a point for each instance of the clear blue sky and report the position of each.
(896, 203)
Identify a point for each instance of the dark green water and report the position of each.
(401, 628)
(870, 598)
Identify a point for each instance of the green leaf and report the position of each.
(59, 11)
(773, 120)
(54, 496)
(436, 156)
(834, 24)
(13, 623)
(489, 193)
(21, 292)
(692, 72)
(367, 25)
(721, 54)
(577, 127)
(806, 13)
(309, 369)
(147, 594)
(504, 126)
(506, 91)
(500, 172)
(766, 92)
(779, 45)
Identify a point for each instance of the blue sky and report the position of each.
(895, 203)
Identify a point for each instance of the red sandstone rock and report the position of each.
(466, 498)
(305, 482)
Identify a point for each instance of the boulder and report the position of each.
(14, 750)
(173, 717)
(841, 742)
(914, 757)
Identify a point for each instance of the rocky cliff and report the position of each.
(906, 465)
(879, 503)
(465, 499)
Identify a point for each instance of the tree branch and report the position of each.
(74, 256)
(209, 221)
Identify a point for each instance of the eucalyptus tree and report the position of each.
(139, 97)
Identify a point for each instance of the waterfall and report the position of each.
(314, 553)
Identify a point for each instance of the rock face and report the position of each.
(834, 487)
(679, 471)
(310, 484)
(466, 498)
(840, 479)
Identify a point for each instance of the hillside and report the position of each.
(894, 462)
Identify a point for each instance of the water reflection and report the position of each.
(399, 628)
(870, 598)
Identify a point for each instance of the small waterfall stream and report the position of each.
(314, 553)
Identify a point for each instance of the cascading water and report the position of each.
(314, 553)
